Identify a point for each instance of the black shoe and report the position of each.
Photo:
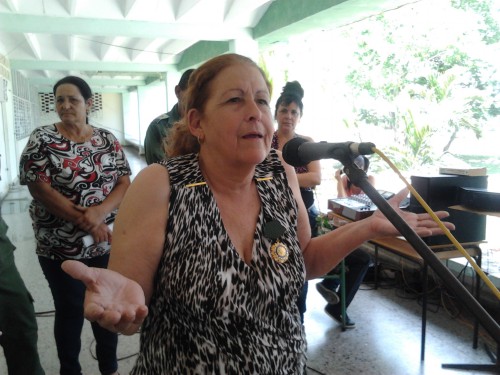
(329, 295)
(332, 313)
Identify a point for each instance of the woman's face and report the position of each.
(236, 123)
(288, 116)
(70, 104)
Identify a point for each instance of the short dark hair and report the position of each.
(183, 82)
(292, 93)
(83, 86)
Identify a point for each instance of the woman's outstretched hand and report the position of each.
(112, 300)
(422, 224)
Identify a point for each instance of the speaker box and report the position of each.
(442, 191)
(479, 199)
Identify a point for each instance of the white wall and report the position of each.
(8, 145)
(152, 103)
(131, 117)
(144, 104)
(111, 117)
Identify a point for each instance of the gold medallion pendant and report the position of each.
(279, 252)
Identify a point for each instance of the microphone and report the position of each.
(299, 152)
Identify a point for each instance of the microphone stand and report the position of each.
(359, 178)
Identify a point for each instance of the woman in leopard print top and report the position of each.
(215, 242)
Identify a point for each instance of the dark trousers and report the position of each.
(357, 264)
(68, 295)
(17, 317)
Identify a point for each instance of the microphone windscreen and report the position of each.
(291, 152)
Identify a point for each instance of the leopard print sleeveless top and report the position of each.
(212, 313)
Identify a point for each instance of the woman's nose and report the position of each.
(254, 111)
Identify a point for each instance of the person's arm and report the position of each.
(139, 231)
(35, 172)
(371, 180)
(312, 177)
(96, 214)
(89, 219)
(323, 253)
(57, 204)
(341, 186)
(117, 297)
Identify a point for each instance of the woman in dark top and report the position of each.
(288, 112)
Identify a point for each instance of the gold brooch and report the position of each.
(279, 252)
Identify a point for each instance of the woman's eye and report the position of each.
(234, 100)
(262, 101)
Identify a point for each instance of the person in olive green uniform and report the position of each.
(159, 127)
(18, 326)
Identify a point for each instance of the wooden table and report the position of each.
(399, 246)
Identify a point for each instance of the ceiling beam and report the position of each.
(16, 23)
(127, 6)
(285, 18)
(71, 46)
(104, 66)
(144, 47)
(106, 45)
(72, 6)
(95, 88)
(200, 52)
(13, 5)
(185, 7)
(238, 7)
(33, 43)
(94, 81)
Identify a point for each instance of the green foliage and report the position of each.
(490, 29)
(324, 224)
(413, 80)
(448, 89)
(414, 148)
(262, 64)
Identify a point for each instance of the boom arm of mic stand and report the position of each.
(361, 180)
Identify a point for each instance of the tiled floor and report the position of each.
(386, 339)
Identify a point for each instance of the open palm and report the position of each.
(112, 300)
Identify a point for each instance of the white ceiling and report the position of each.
(120, 43)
